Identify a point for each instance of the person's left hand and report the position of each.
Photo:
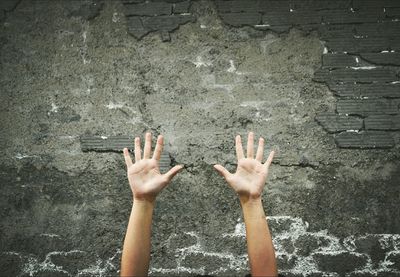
(144, 175)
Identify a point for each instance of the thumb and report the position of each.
(222, 171)
(172, 172)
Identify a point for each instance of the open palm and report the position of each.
(144, 175)
(251, 174)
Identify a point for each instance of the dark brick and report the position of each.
(308, 243)
(210, 263)
(394, 258)
(356, 75)
(85, 9)
(347, 16)
(381, 29)
(148, 9)
(364, 140)
(382, 58)
(382, 122)
(73, 261)
(361, 274)
(365, 107)
(333, 123)
(39, 245)
(376, 90)
(117, 144)
(181, 7)
(10, 264)
(338, 60)
(321, 5)
(339, 262)
(388, 273)
(237, 6)
(229, 244)
(50, 273)
(371, 245)
(135, 27)
(363, 44)
(360, 4)
(343, 31)
(239, 19)
(392, 13)
(167, 23)
(182, 240)
(291, 18)
(285, 262)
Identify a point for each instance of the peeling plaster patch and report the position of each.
(54, 109)
(116, 18)
(232, 67)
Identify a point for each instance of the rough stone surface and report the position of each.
(71, 69)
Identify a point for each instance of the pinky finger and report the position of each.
(269, 160)
(172, 172)
(127, 156)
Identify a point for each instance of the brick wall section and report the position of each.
(300, 252)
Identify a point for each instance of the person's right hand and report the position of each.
(251, 174)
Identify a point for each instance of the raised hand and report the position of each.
(144, 175)
(251, 174)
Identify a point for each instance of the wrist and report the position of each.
(144, 201)
(250, 199)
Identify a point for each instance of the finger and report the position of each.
(172, 172)
(260, 150)
(159, 148)
(222, 171)
(147, 146)
(138, 151)
(250, 145)
(239, 148)
(269, 160)
(127, 156)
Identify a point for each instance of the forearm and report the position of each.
(259, 242)
(136, 250)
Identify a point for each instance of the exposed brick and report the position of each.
(182, 240)
(135, 27)
(339, 262)
(10, 264)
(355, 75)
(332, 122)
(209, 262)
(291, 18)
(113, 143)
(327, 31)
(371, 245)
(382, 122)
(359, 4)
(394, 258)
(364, 140)
(365, 107)
(148, 9)
(285, 262)
(73, 261)
(348, 16)
(376, 90)
(364, 44)
(181, 7)
(392, 13)
(237, 6)
(380, 29)
(308, 243)
(338, 60)
(239, 19)
(382, 58)
(167, 23)
(321, 5)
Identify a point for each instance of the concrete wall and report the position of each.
(80, 79)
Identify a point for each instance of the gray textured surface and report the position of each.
(71, 70)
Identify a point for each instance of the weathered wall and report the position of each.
(296, 72)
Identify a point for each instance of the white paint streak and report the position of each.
(200, 62)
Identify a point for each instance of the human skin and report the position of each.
(248, 182)
(146, 182)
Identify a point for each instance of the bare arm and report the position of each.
(248, 181)
(146, 182)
